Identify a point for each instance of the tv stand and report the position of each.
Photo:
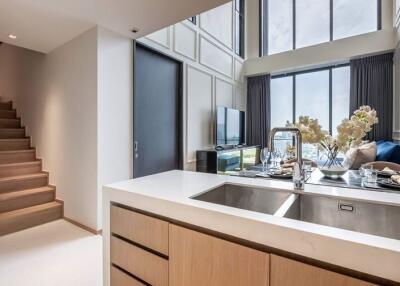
(221, 159)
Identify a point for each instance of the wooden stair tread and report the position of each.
(30, 150)
(14, 139)
(20, 164)
(22, 193)
(29, 210)
(22, 177)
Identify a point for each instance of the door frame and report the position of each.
(179, 126)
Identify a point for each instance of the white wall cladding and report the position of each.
(215, 58)
(238, 71)
(185, 40)
(224, 94)
(161, 37)
(199, 115)
(218, 23)
(213, 73)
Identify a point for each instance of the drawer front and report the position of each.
(198, 259)
(119, 278)
(148, 267)
(289, 272)
(144, 230)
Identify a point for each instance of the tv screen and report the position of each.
(230, 126)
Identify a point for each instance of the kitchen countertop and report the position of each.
(168, 194)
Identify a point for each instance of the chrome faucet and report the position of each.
(298, 172)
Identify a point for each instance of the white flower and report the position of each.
(350, 131)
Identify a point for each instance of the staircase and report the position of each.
(26, 199)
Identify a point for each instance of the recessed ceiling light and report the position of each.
(11, 36)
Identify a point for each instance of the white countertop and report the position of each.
(168, 194)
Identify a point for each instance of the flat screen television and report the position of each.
(230, 126)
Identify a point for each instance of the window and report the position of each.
(312, 22)
(280, 25)
(322, 93)
(290, 24)
(350, 20)
(239, 27)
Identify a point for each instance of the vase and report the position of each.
(331, 166)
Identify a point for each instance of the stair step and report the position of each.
(9, 133)
(23, 168)
(10, 123)
(6, 105)
(26, 198)
(15, 144)
(28, 217)
(16, 156)
(11, 114)
(23, 182)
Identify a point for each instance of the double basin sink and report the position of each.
(370, 218)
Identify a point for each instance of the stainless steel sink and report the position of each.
(371, 218)
(255, 199)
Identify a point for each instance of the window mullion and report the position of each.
(331, 20)
(294, 24)
(330, 101)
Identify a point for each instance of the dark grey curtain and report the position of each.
(258, 110)
(371, 83)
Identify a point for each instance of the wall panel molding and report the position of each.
(161, 37)
(200, 106)
(215, 58)
(216, 35)
(185, 41)
(224, 93)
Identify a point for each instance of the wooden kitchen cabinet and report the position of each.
(198, 259)
(287, 272)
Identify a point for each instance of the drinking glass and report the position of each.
(307, 166)
(371, 175)
(264, 156)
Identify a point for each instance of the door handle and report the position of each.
(135, 146)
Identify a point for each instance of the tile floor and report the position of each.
(53, 254)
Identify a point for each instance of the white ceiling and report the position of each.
(43, 25)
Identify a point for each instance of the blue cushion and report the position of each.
(395, 158)
(387, 151)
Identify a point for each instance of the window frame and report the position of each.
(239, 13)
(294, 74)
(263, 24)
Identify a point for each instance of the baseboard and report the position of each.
(89, 229)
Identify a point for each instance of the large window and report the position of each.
(239, 27)
(322, 93)
(292, 24)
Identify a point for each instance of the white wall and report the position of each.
(114, 113)
(17, 66)
(213, 73)
(326, 53)
(56, 97)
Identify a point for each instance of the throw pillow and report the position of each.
(385, 150)
(356, 157)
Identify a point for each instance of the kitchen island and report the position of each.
(158, 220)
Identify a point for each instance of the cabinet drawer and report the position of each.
(198, 259)
(119, 278)
(287, 272)
(147, 266)
(144, 230)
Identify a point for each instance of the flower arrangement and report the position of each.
(349, 133)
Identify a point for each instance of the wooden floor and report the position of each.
(26, 198)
